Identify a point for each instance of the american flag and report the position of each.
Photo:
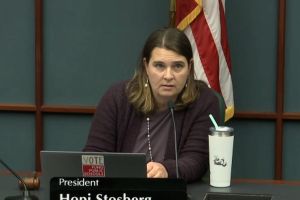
(203, 21)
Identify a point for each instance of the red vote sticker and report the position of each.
(93, 166)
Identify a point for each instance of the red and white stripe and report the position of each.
(208, 36)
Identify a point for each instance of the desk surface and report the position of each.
(281, 190)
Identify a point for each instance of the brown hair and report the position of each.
(171, 39)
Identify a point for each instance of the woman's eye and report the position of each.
(159, 65)
(178, 66)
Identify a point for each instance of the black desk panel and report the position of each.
(196, 191)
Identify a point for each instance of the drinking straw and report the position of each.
(213, 121)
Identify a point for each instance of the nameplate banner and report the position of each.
(89, 188)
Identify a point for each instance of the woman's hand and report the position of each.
(156, 170)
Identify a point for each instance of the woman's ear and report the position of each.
(145, 65)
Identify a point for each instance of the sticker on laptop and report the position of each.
(93, 166)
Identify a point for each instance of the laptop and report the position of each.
(92, 164)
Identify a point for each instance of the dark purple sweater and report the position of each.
(116, 124)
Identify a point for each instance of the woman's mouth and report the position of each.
(167, 86)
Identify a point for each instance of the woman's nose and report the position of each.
(168, 73)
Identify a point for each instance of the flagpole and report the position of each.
(172, 13)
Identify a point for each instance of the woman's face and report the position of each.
(167, 72)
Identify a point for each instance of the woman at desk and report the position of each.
(134, 116)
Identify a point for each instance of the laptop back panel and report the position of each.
(92, 164)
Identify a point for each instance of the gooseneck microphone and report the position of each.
(26, 195)
(171, 107)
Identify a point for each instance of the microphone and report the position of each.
(171, 107)
(26, 195)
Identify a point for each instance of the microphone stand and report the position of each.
(171, 107)
(26, 195)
